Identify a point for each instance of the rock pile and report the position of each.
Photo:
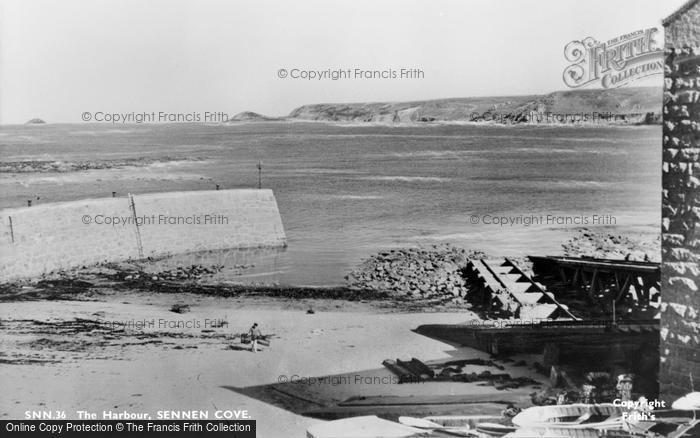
(192, 272)
(76, 166)
(416, 272)
(591, 243)
(180, 308)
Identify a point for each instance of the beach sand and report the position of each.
(150, 369)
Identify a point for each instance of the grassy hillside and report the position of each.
(630, 105)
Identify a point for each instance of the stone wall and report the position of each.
(680, 322)
(44, 238)
(681, 29)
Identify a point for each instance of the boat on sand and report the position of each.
(428, 425)
(592, 420)
(369, 426)
(575, 415)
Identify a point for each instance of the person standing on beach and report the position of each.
(255, 334)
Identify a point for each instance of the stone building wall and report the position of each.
(681, 29)
(680, 321)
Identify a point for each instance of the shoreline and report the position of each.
(375, 277)
(104, 281)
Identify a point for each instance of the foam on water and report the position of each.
(401, 178)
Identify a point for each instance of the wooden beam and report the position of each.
(607, 284)
(594, 284)
(563, 275)
(605, 264)
(656, 286)
(623, 290)
(644, 290)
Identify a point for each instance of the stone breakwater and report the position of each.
(431, 272)
(53, 237)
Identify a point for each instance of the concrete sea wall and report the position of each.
(44, 238)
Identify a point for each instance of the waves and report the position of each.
(355, 197)
(105, 131)
(487, 153)
(446, 154)
(320, 171)
(410, 179)
(363, 176)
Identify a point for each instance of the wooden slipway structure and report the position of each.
(606, 281)
(582, 336)
(592, 286)
(538, 319)
(503, 285)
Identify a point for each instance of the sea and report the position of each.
(346, 192)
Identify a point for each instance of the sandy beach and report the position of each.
(54, 358)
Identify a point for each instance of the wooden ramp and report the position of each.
(502, 283)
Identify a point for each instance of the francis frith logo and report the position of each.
(613, 63)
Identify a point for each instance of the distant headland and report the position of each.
(250, 116)
(625, 106)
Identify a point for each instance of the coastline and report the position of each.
(294, 120)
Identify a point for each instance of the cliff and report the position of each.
(632, 105)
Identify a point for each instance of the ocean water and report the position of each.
(345, 192)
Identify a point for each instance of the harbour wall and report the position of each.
(45, 238)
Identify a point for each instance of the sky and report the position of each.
(60, 58)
